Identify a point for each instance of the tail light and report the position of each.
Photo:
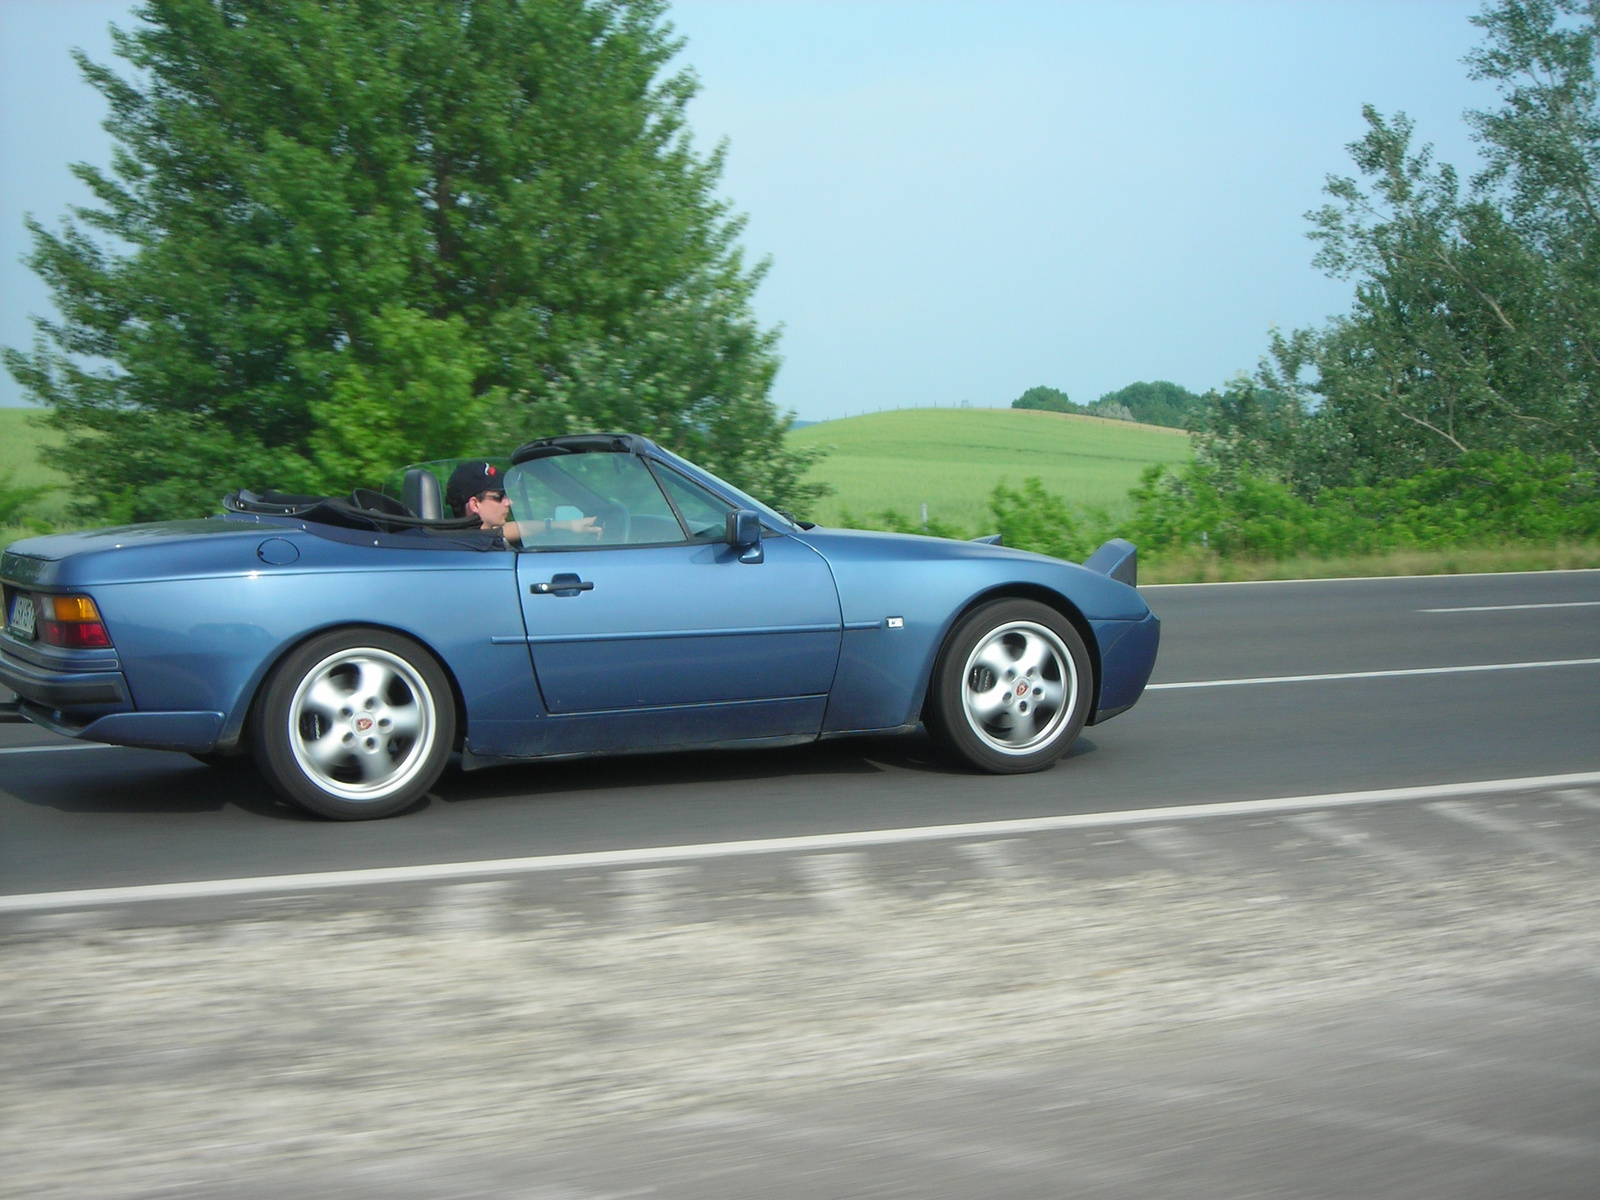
(72, 622)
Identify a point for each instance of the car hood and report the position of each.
(917, 548)
(865, 560)
(914, 546)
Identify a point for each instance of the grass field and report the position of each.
(951, 458)
(20, 439)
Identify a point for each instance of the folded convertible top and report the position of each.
(362, 509)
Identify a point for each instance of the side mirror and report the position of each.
(744, 528)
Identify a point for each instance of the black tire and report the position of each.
(355, 725)
(1011, 688)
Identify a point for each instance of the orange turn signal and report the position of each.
(69, 608)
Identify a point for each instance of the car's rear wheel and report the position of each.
(356, 724)
(1011, 688)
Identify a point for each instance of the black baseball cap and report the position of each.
(473, 478)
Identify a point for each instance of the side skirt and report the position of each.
(476, 762)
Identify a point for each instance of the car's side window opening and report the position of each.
(704, 514)
(594, 499)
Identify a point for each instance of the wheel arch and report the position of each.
(1021, 591)
(235, 732)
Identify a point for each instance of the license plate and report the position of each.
(22, 623)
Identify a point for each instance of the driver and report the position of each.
(477, 489)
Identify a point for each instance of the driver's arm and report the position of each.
(513, 530)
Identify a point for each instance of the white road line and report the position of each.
(836, 881)
(367, 877)
(648, 892)
(1359, 841)
(1581, 798)
(995, 859)
(49, 749)
(1516, 666)
(1489, 822)
(1513, 607)
(465, 908)
(1166, 842)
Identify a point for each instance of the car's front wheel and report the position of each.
(355, 724)
(1012, 687)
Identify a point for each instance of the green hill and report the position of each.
(947, 458)
(951, 458)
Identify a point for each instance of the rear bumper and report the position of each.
(193, 732)
(56, 689)
(94, 706)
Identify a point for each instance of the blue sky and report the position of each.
(960, 199)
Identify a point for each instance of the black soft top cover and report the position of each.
(362, 509)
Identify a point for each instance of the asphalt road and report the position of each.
(1264, 989)
(94, 818)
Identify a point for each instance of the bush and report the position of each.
(1033, 519)
(1026, 519)
(16, 499)
(1480, 499)
(892, 520)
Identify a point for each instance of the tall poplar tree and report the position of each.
(339, 235)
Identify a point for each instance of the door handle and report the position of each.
(562, 585)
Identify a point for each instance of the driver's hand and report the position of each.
(588, 525)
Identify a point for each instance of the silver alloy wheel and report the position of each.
(1019, 687)
(362, 724)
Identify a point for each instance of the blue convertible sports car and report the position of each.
(352, 645)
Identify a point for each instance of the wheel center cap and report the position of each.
(1022, 688)
(363, 723)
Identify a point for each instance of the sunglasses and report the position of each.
(497, 497)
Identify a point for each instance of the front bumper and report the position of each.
(1127, 656)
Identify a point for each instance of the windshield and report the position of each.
(769, 515)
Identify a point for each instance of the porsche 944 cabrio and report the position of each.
(352, 645)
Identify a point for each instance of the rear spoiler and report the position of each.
(1118, 558)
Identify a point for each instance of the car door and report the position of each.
(642, 625)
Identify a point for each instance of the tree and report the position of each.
(1449, 346)
(1157, 403)
(343, 234)
(1475, 325)
(1048, 399)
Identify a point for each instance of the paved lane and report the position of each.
(1214, 631)
(1388, 996)
(102, 818)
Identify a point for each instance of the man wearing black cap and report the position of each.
(477, 489)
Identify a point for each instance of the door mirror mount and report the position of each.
(744, 534)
